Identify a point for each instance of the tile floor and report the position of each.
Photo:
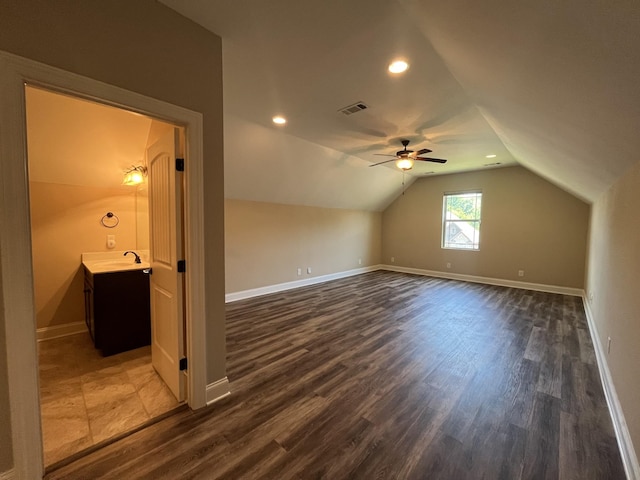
(86, 398)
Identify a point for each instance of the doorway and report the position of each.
(78, 152)
(18, 306)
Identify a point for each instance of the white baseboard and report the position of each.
(280, 287)
(8, 475)
(217, 390)
(255, 292)
(539, 287)
(47, 333)
(627, 452)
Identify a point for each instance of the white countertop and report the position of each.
(107, 262)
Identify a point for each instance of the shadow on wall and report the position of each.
(66, 305)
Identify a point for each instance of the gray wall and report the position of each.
(613, 279)
(527, 224)
(147, 48)
(328, 240)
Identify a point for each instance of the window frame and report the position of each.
(445, 221)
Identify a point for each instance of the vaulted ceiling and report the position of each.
(78, 142)
(551, 85)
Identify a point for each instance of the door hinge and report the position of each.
(180, 164)
(182, 266)
(183, 363)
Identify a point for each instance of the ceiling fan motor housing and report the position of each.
(404, 153)
(404, 158)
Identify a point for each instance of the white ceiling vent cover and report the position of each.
(356, 107)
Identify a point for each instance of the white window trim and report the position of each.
(444, 220)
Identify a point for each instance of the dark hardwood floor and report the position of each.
(389, 376)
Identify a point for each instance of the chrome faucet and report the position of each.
(137, 256)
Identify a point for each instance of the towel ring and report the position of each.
(110, 220)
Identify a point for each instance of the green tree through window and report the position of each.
(461, 220)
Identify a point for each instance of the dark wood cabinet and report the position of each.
(117, 310)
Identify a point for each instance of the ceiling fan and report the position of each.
(405, 158)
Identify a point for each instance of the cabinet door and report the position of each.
(121, 306)
(88, 308)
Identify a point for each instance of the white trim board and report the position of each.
(15, 247)
(280, 287)
(576, 292)
(627, 452)
(57, 331)
(218, 390)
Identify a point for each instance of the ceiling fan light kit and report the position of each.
(404, 163)
(398, 66)
(405, 158)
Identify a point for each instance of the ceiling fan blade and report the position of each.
(423, 151)
(385, 155)
(380, 163)
(428, 159)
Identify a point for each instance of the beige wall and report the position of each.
(266, 243)
(144, 47)
(527, 224)
(613, 279)
(65, 222)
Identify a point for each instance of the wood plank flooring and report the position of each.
(389, 376)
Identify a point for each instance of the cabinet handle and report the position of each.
(148, 271)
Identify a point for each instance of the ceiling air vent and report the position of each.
(356, 107)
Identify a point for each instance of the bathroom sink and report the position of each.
(113, 265)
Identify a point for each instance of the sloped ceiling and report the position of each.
(549, 85)
(77, 142)
(557, 80)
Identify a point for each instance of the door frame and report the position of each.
(16, 275)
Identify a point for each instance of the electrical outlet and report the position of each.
(308, 269)
(608, 345)
(299, 271)
(393, 259)
(359, 261)
(111, 241)
(591, 297)
(448, 264)
(521, 273)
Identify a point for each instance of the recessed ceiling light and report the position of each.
(491, 156)
(279, 120)
(398, 66)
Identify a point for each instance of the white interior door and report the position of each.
(165, 250)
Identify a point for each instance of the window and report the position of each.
(461, 220)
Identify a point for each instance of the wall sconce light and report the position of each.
(135, 175)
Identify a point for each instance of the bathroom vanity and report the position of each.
(117, 306)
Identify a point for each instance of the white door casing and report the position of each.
(15, 243)
(166, 283)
